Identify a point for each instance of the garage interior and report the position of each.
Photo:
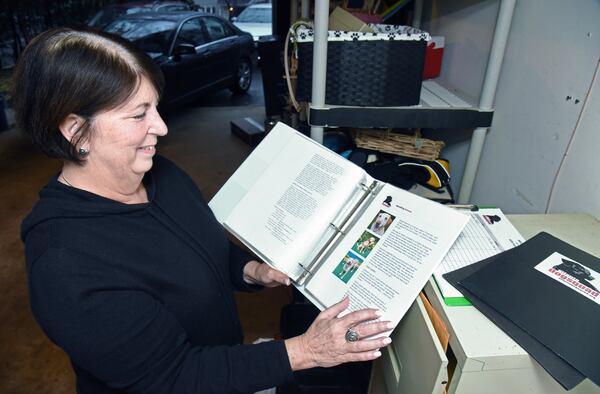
(543, 135)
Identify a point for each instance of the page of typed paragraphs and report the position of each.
(287, 210)
(390, 253)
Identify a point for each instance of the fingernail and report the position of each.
(390, 325)
(377, 354)
(378, 313)
(387, 340)
(287, 282)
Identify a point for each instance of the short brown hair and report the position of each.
(75, 71)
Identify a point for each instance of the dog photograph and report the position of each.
(381, 223)
(577, 271)
(347, 267)
(365, 244)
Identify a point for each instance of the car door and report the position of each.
(225, 52)
(187, 70)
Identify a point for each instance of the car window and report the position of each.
(217, 29)
(255, 15)
(137, 10)
(105, 16)
(191, 33)
(148, 35)
(173, 8)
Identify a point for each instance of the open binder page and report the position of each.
(249, 172)
(487, 233)
(346, 215)
(290, 206)
(388, 255)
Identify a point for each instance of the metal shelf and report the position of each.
(479, 117)
(438, 108)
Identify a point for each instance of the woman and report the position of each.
(129, 271)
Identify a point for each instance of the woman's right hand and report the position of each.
(324, 343)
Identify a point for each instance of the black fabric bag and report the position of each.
(404, 172)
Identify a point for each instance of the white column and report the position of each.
(293, 11)
(488, 92)
(418, 14)
(306, 9)
(319, 71)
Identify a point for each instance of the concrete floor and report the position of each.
(200, 142)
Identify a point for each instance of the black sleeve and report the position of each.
(126, 338)
(238, 259)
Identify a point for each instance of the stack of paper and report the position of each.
(487, 233)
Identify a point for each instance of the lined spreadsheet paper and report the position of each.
(487, 233)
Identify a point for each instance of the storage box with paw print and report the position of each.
(383, 68)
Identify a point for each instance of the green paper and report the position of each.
(457, 301)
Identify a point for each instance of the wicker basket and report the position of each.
(398, 144)
(380, 69)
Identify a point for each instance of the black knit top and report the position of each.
(141, 296)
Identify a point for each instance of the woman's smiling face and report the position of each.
(123, 139)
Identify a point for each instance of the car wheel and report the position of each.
(243, 77)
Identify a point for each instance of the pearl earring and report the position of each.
(83, 152)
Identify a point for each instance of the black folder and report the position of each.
(556, 313)
(567, 376)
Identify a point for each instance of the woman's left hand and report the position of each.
(262, 274)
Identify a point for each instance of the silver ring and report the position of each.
(352, 336)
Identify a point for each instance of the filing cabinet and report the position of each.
(481, 358)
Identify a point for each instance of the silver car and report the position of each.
(256, 20)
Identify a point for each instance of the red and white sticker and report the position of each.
(572, 274)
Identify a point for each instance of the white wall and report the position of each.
(552, 53)
(577, 187)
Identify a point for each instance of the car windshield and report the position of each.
(110, 13)
(150, 36)
(255, 15)
(104, 17)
